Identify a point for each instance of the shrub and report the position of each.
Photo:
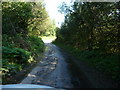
(16, 55)
(36, 43)
(14, 59)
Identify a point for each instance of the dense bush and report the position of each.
(26, 18)
(91, 32)
(107, 64)
(36, 44)
(18, 52)
(13, 60)
(16, 55)
(22, 24)
(91, 26)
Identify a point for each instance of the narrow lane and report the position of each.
(51, 71)
(60, 69)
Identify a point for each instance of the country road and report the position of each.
(61, 70)
(62, 44)
(51, 71)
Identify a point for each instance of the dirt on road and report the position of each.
(51, 71)
(61, 70)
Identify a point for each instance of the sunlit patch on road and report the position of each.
(48, 39)
(52, 70)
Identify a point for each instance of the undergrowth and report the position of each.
(17, 53)
(105, 63)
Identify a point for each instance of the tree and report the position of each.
(92, 26)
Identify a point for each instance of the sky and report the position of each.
(52, 9)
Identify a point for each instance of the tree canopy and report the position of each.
(26, 18)
(92, 26)
(23, 25)
(91, 32)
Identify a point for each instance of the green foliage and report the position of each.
(23, 23)
(36, 43)
(15, 58)
(15, 55)
(15, 16)
(107, 64)
(91, 32)
(9, 69)
(92, 26)
(7, 41)
(13, 61)
(26, 19)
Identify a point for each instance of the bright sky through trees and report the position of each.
(52, 8)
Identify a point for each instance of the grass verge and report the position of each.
(107, 64)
